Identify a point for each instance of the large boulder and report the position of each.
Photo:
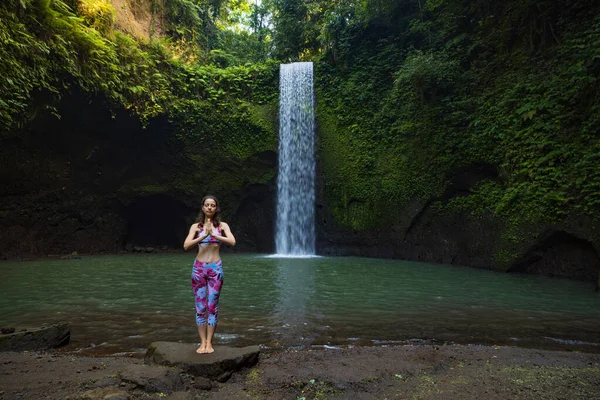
(36, 338)
(218, 365)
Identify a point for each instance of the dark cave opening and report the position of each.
(464, 179)
(254, 220)
(560, 254)
(158, 220)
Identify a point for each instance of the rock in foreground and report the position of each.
(152, 379)
(218, 365)
(36, 338)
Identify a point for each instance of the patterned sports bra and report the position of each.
(209, 239)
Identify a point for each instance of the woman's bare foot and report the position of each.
(209, 349)
(201, 349)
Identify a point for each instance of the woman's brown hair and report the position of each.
(217, 216)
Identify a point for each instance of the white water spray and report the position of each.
(295, 234)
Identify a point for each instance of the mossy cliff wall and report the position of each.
(488, 160)
(109, 140)
(98, 181)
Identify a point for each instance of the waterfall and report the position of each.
(296, 179)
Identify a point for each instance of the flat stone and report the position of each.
(36, 338)
(218, 365)
(152, 378)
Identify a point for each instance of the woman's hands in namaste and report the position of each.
(208, 228)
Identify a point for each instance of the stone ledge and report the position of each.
(218, 365)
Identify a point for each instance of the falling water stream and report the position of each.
(296, 180)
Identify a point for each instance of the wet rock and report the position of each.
(104, 394)
(202, 383)
(36, 338)
(218, 365)
(224, 377)
(72, 256)
(117, 396)
(152, 378)
(181, 396)
(106, 382)
(6, 331)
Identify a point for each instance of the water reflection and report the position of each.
(295, 282)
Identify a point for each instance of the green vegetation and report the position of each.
(413, 92)
(49, 47)
(409, 93)
(447, 93)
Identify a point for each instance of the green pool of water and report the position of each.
(120, 303)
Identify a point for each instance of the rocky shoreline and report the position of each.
(409, 371)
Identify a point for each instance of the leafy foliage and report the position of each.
(44, 50)
(408, 92)
(47, 48)
(454, 85)
(220, 32)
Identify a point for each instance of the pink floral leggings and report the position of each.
(207, 280)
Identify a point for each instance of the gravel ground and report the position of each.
(394, 372)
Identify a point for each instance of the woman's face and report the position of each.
(209, 207)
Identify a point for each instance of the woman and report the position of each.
(207, 274)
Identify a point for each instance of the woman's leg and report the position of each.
(215, 283)
(202, 333)
(210, 333)
(199, 286)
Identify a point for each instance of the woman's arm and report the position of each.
(189, 240)
(227, 237)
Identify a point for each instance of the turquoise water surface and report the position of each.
(121, 303)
